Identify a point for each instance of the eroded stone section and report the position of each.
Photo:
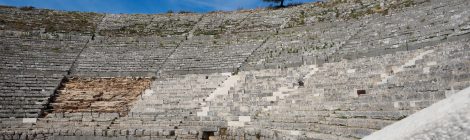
(104, 95)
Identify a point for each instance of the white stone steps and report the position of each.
(223, 90)
(387, 75)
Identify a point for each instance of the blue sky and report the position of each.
(141, 6)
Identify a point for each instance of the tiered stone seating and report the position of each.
(28, 19)
(302, 45)
(25, 93)
(33, 66)
(328, 105)
(408, 30)
(261, 21)
(147, 25)
(203, 54)
(59, 124)
(171, 106)
(48, 55)
(125, 56)
(385, 34)
(337, 112)
(121, 61)
(330, 70)
(218, 23)
(254, 91)
(180, 94)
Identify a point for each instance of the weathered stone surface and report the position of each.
(103, 95)
(447, 119)
(330, 70)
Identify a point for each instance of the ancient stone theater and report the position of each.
(331, 70)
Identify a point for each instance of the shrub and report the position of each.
(27, 8)
(185, 12)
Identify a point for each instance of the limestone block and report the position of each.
(432, 63)
(244, 108)
(426, 70)
(236, 124)
(87, 132)
(412, 103)
(351, 71)
(146, 132)
(244, 118)
(29, 120)
(192, 132)
(353, 93)
(295, 133)
(139, 132)
(155, 132)
(148, 92)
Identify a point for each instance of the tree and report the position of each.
(276, 1)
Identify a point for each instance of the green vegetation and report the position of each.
(360, 117)
(223, 131)
(330, 4)
(159, 28)
(27, 8)
(293, 50)
(5, 6)
(297, 21)
(401, 117)
(301, 20)
(331, 7)
(48, 20)
(185, 12)
(423, 20)
(56, 50)
(276, 1)
(179, 12)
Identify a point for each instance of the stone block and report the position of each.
(236, 124)
(29, 120)
(244, 118)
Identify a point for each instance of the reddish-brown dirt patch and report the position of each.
(106, 95)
